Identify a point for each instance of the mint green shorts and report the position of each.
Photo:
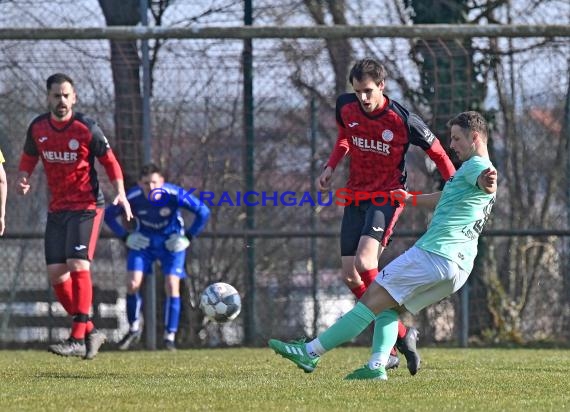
(418, 278)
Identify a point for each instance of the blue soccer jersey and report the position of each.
(157, 219)
(160, 217)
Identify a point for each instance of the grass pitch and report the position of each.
(258, 380)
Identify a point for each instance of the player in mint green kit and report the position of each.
(435, 267)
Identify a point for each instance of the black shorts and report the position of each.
(367, 219)
(72, 235)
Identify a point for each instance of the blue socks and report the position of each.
(134, 303)
(171, 313)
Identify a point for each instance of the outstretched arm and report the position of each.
(487, 180)
(415, 199)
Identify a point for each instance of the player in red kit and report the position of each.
(68, 144)
(375, 132)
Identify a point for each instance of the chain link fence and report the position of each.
(517, 292)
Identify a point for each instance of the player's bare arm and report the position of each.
(415, 199)
(121, 198)
(487, 180)
(23, 184)
(324, 180)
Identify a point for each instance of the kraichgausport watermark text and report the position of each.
(339, 197)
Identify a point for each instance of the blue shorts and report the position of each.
(172, 262)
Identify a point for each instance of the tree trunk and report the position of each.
(125, 65)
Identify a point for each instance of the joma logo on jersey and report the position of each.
(61, 157)
(370, 144)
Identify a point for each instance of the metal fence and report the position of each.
(288, 266)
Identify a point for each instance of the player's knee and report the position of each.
(172, 286)
(133, 286)
(362, 263)
(170, 291)
(57, 276)
(78, 264)
(351, 280)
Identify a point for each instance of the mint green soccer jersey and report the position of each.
(460, 214)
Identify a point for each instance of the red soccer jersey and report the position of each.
(377, 144)
(68, 151)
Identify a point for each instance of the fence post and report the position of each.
(149, 298)
(249, 136)
(566, 241)
(313, 222)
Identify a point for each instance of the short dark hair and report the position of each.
(367, 67)
(149, 169)
(58, 78)
(472, 121)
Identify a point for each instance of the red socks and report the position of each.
(402, 330)
(367, 277)
(359, 290)
(64, 294)
(82, 289)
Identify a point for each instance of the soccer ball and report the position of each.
(220, 302)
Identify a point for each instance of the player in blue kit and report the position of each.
(159, 235)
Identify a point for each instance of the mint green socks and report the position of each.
(348, 327)
(385, 335)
